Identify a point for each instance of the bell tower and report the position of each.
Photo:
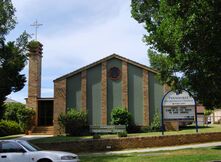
(34, 79)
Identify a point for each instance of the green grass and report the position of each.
(187, 155)
(188, 130)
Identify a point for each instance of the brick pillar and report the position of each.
(124, 85)
(59, 103)
(104, 94)
(34, 76)
(146, 104)
(166, 88)
(84, 90)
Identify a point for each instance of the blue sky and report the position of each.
(76, 33)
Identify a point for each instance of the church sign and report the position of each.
(178, 106)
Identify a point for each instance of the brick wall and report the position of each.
(124, 85)
(146, 98)
(34, 78)
(59, 103)
(90, 145)
(104, 94)
(84, 90)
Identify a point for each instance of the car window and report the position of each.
(29, 146)
(9, 146)
(0, 147)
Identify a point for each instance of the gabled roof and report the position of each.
(9, 100)
(103, 60)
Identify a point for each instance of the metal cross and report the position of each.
(36, 25)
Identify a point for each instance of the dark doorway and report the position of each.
(45, 112)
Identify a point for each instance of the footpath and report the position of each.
(170, 148)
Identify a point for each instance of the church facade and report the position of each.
(98, 88)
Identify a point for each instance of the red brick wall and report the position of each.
(84, 90)
(90, 145)
(104, 94)
(59, 103)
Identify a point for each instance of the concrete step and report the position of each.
(41, 130)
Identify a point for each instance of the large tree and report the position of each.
(12, 54)
(185, 44)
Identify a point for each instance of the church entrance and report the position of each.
(45, 112)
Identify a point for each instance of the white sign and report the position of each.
(173, 99)
(179, 106)
(179, 113)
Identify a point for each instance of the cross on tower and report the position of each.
(36, 25)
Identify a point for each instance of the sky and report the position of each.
(76, 33)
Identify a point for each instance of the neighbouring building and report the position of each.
(96, 89)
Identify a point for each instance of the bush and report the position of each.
(11, 111)
(25, 118)
(120, 116)
(122, 134)
(96, 136)
(74, 122)
(155, 125)
(9, 128)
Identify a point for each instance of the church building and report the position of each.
(96, 89)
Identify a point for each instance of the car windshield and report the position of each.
(29, 146)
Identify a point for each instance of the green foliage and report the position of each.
(7, 18)
(184, 38)
(75, 122)
(155, 125)
(120, 116)
(19, 113)
(25, 118)
(122, 134)
(33, 44)
(11, 111)
(208, 112)
(12, 54)
(96, 136)
(9, 128)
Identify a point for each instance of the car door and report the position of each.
(12, 152)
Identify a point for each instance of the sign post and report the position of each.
(178, 107)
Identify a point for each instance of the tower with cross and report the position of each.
(36, 25)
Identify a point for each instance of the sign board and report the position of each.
(174, 99)
(179, 113)
(178, 106)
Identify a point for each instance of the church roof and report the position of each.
(103, 60)
(9, 100)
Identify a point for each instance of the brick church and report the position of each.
(96, 88)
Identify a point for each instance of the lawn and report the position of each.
(186, 155)
(188, 130)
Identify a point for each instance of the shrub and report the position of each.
(120, 116)
(155, 125)
(9, 128)
(96, 136)
(25, 118)
(11, 110)
(122, 134)
(74, 122)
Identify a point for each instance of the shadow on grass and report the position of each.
(101, 158)
(194, 127)
(216, 148)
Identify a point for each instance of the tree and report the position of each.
(184, 38)
(12, 54)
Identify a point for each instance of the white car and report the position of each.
(22, 151)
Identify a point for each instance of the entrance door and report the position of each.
(45, 112)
